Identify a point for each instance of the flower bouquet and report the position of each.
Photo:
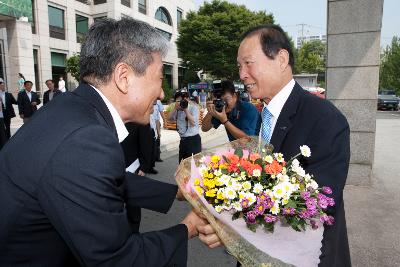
(266, 210)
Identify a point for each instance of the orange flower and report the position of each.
(273, 168)
(234, 159)
(254, 156)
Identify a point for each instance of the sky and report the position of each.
(312, 14)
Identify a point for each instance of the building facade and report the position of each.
(38, 44)
(307, 38)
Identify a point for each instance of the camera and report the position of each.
(183, 104)
(219, 104)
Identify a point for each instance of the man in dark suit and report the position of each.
(27, 102)
(63, 189)
(292, 117)
(8, 101)
(51, 93)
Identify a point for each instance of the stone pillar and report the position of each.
(352, 75)
(20, 52)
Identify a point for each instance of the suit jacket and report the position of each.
(8, 109)
(46, 95)
(309, 120)
(63, 191)
(24, 104)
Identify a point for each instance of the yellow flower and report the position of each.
(199, 190)
(211, 193)
(220, 194)
(196, 181)
(210, 175)
(215, 159)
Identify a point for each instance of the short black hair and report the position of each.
(227, 86)
(272, 39)
(28, 82)
(182, 94)
(51, 80)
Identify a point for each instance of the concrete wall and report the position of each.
(352, 75)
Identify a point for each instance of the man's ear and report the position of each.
(121, 77)
(283, 57)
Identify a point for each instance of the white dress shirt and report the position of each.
(122, 132)
(278, 101)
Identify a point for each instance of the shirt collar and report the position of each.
(122, 132)
(276, 104)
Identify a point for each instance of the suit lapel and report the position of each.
(284, 122)
(89, 94)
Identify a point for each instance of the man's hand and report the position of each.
(192, 222)
(208, 236)
(33, 103)
(141, 173)
(221, 116)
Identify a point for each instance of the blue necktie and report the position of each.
(266, 125)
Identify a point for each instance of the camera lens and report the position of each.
(184, 103)
(219, 104)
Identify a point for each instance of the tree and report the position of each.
(389, 77)
(310, 58)
(209, 38)
(73, 66)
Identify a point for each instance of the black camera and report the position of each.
(219, 104)
(183, 103)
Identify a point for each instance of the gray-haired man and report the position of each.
(67, 203)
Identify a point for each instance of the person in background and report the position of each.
(195, 96)
(3, 138)
(239, 118)
(20, 82)
(186, 115)
(61, 85)
(51, 93)
(27, 102)
(203, 99)
(158, 111)
(8, 101)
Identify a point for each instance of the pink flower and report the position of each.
(251, 217)
(270, 218)
(327, 190)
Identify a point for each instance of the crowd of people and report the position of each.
(72, 193)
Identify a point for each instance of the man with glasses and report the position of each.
(239, 118)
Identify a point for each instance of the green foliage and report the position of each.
(73, 66)
(310, 58)
(389, 77)
(209, 39)
(190, 76)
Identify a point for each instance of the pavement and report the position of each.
(372, 212)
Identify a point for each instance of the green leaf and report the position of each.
(239, 152)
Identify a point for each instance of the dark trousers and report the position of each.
(3, 138)
(158, 150)
(188, 146)
(7, 123)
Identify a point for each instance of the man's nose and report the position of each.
(162, 95)
(243, 74)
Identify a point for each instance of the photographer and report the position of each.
(186, 115)
(239, 118)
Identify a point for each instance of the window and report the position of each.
(165, 34)
(181, 76)
(58, 63)
(82, 26)
(179, 15)
(98, 2)
(126, 3)
(99, 18)
(33, 17)
(56, 23)
(163, 16)
(36, 69)
(83, 1)
(168, 74)
(142, 6)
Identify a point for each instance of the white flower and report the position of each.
(257, 188)
(300, 171)
(246, 185)
(251, 197)
(279, 157)
(256, 173)
(283, 178)
(237, 185)
(217, 173)
(224, 179)
(237, 206)
(295, 164)
(305, 151)
(307, 178)
(230, 193)
(278, 191)
(218, 208)
(293, 180)
(275, 209)
(313, 184)
(268, 159)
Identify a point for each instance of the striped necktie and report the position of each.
(266, 125)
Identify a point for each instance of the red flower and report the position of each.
(254, 156)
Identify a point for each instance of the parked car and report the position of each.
(388, 100)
